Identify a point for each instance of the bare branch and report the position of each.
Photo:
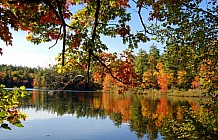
(141, 20)
(64, 25)
(61, 18)
(64, 29)
(140, 3)
(96, 20)
(71, 81)
(57, 38)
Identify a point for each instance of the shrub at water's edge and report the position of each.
(9, 114)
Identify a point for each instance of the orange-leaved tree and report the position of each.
(162, 78)
(79, 24)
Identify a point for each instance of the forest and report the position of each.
(186, 28)
(149, 70)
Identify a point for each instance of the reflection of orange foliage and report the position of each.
(149, 129)
(112, 103)
(80, 96)
(34, 96)
(162, 106)
(41, 96)
(179, 113)
(145, 109)
(96, 102)
(162, 110)
(195, 106)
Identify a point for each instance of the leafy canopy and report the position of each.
(80, 24)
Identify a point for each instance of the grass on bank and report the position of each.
(172, 92)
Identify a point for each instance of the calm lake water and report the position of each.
(93, 115)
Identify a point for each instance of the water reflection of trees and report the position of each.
(80, 104)
(145, 115)
(137, 122)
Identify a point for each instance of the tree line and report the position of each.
(42, 78)
(12, 76)
(145, 70)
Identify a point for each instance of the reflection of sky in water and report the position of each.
(42, 125)
(39, 114)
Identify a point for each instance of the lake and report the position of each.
(94, 115)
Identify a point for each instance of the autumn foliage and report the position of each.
(123, 70)
(189, 60)
(162, 77)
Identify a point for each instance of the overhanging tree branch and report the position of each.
(141, 20)
(70, 26)
(64, 29)
(90, 51)
(63, 24)
(57, 38)
(109, 70)
(210, 14)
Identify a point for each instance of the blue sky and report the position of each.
(24, 53)
(27, 54)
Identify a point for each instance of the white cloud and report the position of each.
(25, 53)
(25, 58)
